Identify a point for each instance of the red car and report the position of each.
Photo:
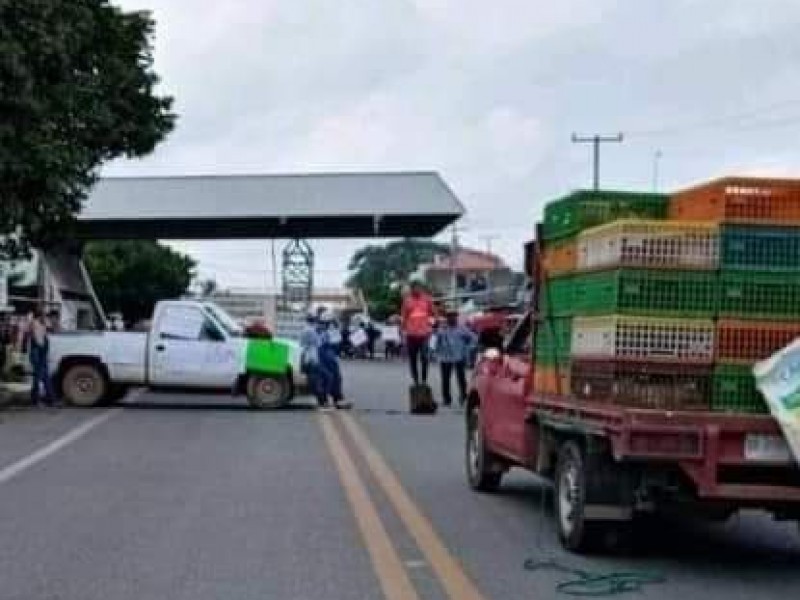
(610, 462)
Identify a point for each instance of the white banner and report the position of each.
(778, 378)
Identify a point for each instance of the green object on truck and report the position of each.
(267, 356)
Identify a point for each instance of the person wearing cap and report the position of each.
(416, 317)
(453, 344)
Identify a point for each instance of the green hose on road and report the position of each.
(595, 585)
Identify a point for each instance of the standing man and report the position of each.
(329, 363)
(416, 320)
(39, 348)
(453, 346)
(318, 378)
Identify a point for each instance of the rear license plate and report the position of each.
(766, 448)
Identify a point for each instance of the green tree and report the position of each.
(130, 277)
(379, 270)
(76, 89)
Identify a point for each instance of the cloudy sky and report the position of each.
(486, 93)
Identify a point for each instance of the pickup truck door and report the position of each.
(512, 386)
(188, 349)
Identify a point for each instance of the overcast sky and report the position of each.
(486, 93)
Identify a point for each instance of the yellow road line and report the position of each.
(393, 577)
(447, 569)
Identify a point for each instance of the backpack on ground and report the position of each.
(421, 400)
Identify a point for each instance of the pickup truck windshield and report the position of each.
(230, 325)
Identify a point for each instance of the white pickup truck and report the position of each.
(192, 345)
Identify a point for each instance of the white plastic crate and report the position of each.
(643, 338)
(631, 242)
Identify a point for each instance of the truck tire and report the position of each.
(268, 391)
(84, 384)
(484, 472)
(580, 481)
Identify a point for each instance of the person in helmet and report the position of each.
(329, 361)
(417, 316)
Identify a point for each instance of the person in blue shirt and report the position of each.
(453, 345)
(329, 361)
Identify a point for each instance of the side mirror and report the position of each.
(492, 354)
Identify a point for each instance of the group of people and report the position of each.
(320, 346)
(31, 336)
(452, 343)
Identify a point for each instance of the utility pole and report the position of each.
(489, 239)
(453, 273)
(656, 164)
(489, 286)
(596, 140)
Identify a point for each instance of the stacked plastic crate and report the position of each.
(645, 296)
(759, 277)
(564, 288)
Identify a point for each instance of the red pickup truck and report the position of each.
(610, 463)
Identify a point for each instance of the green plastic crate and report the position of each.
(682, 294)
(553, 341)
(580, 210)
(735, 391)
(558, 297)
(759, 295)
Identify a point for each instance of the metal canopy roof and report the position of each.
(416, 204)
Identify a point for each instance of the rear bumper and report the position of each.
(712, 456)
(708, 448)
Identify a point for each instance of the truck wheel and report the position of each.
(483, 471)
(580, 482)
(84, 385)
(264, 391)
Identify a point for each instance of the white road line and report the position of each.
(41, 454)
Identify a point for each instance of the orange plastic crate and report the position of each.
(742, 199)
(559, 258)
(747, 342)
(550, 380)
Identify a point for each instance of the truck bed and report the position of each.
(124, 353)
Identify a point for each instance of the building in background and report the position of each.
(249, 305)
(479, 276)
(57, 281)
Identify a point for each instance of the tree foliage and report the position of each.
(130, 277)
(379, 270)
(76, 89)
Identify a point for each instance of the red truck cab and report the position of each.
(609, 462)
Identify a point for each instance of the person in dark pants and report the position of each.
(373, 333)
(329, 363)
(417, 316)
(318, 378)
(453, 345)
(39, 348)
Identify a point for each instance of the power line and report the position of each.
(713, 121)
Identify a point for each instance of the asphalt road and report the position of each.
(198, 498)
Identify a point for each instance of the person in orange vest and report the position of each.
(417, 316)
